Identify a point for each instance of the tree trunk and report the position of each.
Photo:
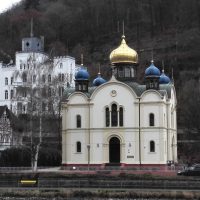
(37, 149)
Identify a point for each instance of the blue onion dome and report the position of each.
(152, 70)
(82, 74)
(98, 81)
(163, 78)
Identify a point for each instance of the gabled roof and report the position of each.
(137, 88)
(14, 121)
(2, 109)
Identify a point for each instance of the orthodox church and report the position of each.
(120, 121)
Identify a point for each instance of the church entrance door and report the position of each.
(114, 150)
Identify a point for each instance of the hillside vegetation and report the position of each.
(170, 30)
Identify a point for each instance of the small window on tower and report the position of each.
(78, 121)
(151, 119)
(120, 72)
(127, 72)
(27, 44)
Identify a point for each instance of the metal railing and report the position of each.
(105, 183)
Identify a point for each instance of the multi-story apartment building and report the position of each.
(36, 81)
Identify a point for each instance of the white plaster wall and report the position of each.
(25, 57)
(72, 156)
(150, 157)
(78, 98)
(66, 65)
(6, 71)
(151, 102)
(97, 146)
(102, 97)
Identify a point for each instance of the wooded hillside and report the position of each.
(94, 28)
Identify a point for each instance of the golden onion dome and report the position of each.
(123, 54)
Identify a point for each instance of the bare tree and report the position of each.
(38, 91)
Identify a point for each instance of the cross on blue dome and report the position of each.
(98, 81)
(152, 70)
(164, 79)
(82, 74)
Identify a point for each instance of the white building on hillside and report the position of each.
(35, 77)
(120, 121)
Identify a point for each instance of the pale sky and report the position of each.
(5, 4)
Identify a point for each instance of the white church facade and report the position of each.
(120, 121)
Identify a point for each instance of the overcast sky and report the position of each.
(5, 4)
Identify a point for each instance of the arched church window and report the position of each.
(152, 146)
(151, 119)
(107, 117)
(78, 147)
(114, 115)
(78, 121)
(121, 116)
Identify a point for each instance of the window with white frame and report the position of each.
(11, 94)
(6, 94)
(6, 81)
(11, 80)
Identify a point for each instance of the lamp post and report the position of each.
(88, 148)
